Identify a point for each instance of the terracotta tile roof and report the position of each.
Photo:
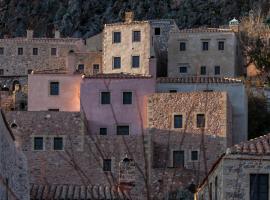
(203, 30)
(50, 71)
(198, 79)
(118, 76)
(75, 192)
(256, 146)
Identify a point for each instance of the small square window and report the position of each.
(183, 70)
(182, 46)
(116, 62)
(107, 165)
(58, 143)
(105, 97)
(172, 91)
(38, 143)
(1, 72)
(116, 37)
(157, 31)
(205, 46)
(136, 36)
(203, 70)
(135, 61)
(103, 131)
(54, 88)
(81, 68)
(217, 70)
(35, 51)
(20, 51)
(178, 121)
(1, 50)
(122, 130)
(127, 98)
(221, 45)
(200, 120)
(194, 155)
(53, 51)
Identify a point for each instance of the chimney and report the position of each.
(29, 34)
(57, 34)
(129, 17)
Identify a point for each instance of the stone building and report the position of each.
(187, 136)
(203, 52)
(128, 45)
(235, 89)
(55, 90)
(241, 173)
(20, 56)
(14, 183)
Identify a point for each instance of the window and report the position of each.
(211, 191)
(135, 61)
(1, 71)
(107, 165)
(95, 68)
(183, 70)
(53, 109)
(157, 31)
(116, 37)
(127, 98)
(29, 71)
(20, 51)
(103, 131)
(178, 121)
(81, 68)
(58, 143)
(122, 130)
(172, 91)
(178, 159)
(35, 51)
(200, 120)
(216, 188)
(217, 70)
(53, 51)
(203, 70)
(1, 50)
(105, 97)
(136, 36)
(54, 88)
(182, 46)
(221, 45)
(194, 155)
(205, 46)
(116, 62)
(38, 143)
(259, 184)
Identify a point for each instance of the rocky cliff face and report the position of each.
(84, 18)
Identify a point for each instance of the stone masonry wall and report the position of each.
(14, 182)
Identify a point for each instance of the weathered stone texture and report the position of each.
(13, 167)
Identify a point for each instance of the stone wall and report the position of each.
(14, 64)
(215, 138)
(194, 57)
(14, 183)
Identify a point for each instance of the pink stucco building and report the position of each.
(54, 90)
(116, 103)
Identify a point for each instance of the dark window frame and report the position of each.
(217, 70)
(20, 51)
(53, 51)
(135, 61)
(54, 91)
(255, 186)
(115, 60)
(2, 50)
(157, 31)
(194, 155)
(203, 70)
(136, 36)
(181, 163)
(181, 71)
(35, 51)
(2, 71)
(107, 165)
(58, 143)
(122, 132)
(177, 124)
(116, 37)
(36, 146)
(199, 123)
(127, 100)
(105, 98)
(205, 45)
(103, 131)
(221, 45)
(182, 46)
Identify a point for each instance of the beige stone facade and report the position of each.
(19, 56)
(214, 50)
